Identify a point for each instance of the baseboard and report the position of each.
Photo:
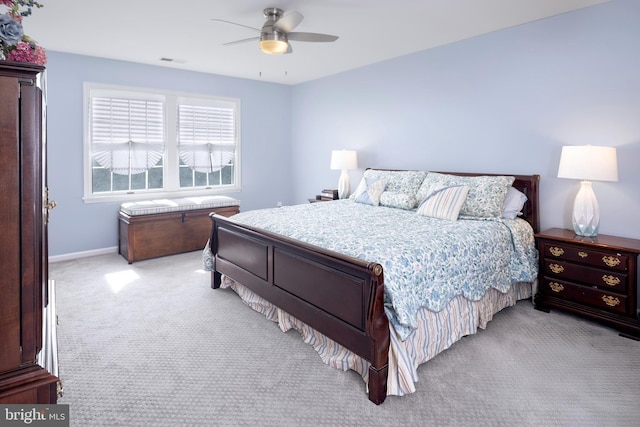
(84, 254)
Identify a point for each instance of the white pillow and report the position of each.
(370, 194)
(444, 202)
(513, 203)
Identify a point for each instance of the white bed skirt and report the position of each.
(435, 333)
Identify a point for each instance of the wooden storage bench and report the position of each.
(156, 228)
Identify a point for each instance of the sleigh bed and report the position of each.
(346, 276)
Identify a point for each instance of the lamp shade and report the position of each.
(588, 162)
(344, 159)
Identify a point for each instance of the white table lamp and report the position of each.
(587, 163)
(343, 160)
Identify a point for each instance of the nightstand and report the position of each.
(316, 200)
(596, 277)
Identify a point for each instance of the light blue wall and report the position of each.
(505, 102)
(76, 226)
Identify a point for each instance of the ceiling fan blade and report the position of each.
(289, 49)
(311, 37)
(289, 21)
(235, 23)
(251, 39)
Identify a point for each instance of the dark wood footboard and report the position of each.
(339, 296)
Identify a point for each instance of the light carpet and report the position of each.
(151, 344)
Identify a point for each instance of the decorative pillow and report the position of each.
(399, 182)
(486, 193)
(513, 203)
(444, 203)
(371, 193)
(393, 199)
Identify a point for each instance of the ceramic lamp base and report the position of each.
(344, 187)
(586, 213)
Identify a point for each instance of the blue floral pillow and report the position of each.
(486, 193)
(401, 186)
(370, 194)
(394, 199)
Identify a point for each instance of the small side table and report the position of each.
(595, 277)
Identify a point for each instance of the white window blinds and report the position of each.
(126, 135)
(207, 136)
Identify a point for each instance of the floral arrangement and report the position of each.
(14, 44)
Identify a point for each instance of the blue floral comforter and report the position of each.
(426, 261)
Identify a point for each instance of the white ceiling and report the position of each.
(369, 31)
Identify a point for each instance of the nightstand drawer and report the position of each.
(596, 277)
(604, 279)
(584, 295)
(585, 255)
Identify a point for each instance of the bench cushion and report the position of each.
(148, 207)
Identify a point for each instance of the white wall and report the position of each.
(79, 227)
(505, 102)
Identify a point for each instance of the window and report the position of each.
(143, 144)
(206, 143)
(127, 144)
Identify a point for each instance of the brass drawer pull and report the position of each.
(611, 261)
(556, 251)
(556, 268)
(583, 254)
(610, 301)
(556, 287)
(611, 280)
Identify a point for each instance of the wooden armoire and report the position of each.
(24, 210)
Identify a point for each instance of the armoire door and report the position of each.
(10, 277)
(23, 265)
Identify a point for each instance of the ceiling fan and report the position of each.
(277, 32)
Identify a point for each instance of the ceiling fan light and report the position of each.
(273, 47)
